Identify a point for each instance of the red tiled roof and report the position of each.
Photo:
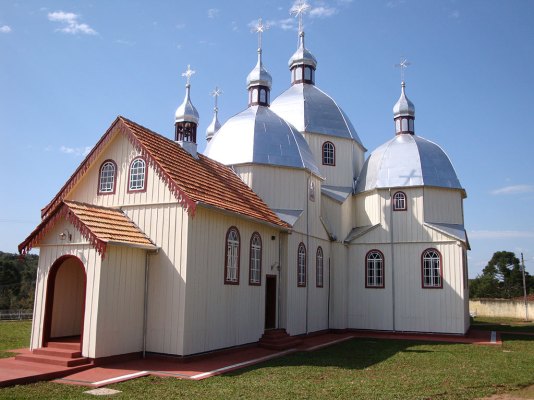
(192, 181)
(99, 225)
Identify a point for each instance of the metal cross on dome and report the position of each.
(216, 93)
(404, 63)
(188, 74)
(259, 29)
(298, 10)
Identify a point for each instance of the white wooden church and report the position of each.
(282, 223)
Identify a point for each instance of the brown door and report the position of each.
(270, 302)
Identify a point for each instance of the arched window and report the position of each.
(374, 269)
(254, 272)
(137, 175)
(329, 153)
(431, 269)
(106, 178)
(231, 266)
(399, 201)
(301, 265)
(319, 270)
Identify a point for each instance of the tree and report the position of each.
(17, 280)
(501, 278)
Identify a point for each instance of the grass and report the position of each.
(14, 335)
(359, 369)
(502, 324)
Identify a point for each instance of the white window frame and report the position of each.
(231, 268)
(329, 154)
(301, 265)
(374, 269)
(137, 179)
(319, 267)
(431, 273)
(400, 202)
(106, 181)
(255, 259)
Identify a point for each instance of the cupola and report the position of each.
(186, 119)
(302, 64)
(259, 81)
(404, 114)
(215, 124)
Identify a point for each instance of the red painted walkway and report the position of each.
(16, 372)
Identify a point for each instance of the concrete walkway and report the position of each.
(195, 368)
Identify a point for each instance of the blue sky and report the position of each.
(68, 68)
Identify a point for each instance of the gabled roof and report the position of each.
(99, 225)
(192, 181)
(456, 231)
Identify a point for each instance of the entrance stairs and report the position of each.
(278, 339)
(65, 354)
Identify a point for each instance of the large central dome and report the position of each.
(258, 135)
(407, 160)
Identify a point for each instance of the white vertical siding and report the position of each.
(339, 286)
(121, 302)
(443, 205)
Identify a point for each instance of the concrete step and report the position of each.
(58, 352)
(278, 339)
(53, 360)
(64, 345)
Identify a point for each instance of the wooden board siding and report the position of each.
(220, 315)
(339, 286)
(51, 249)
(443, 205)
(121, 151)
(367, 208)
(166, 225)
(348, 162)
(121, 300)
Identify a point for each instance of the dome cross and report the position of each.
(188, 74)
(404, 63)
(259, 28)
(215, 94)
(298, 10)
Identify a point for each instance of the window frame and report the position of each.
(381, 267)
(324, 157)
(114, 185)
(302, 267)
(251, 282)
(405, 199)
(137, 190)
(228, 281)
(319, 267)
(440, 276)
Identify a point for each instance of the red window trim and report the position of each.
(250, 260)
(238, 272)
(383, 270)
(146, 176)
(405, 201)
(317, 265)
(333, 155)
(301, 244)
(423, 269)
(114, 178)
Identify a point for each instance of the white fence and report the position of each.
(501, 308)
(12, 315)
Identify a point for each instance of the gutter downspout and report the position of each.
(392, 257)
(145, 301)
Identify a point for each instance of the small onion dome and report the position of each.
(407, 160)
(302, 55)
(257, 135)
(213, 127)
(186, 111)
(259, 75)
(404, 107)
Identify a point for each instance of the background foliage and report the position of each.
(17, 281)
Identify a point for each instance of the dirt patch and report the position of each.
(523, 394)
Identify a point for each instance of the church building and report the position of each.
(282, 224)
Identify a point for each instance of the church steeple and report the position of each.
(259, 81)
(186, 119)
(302, 63)
(404, 114)
(215, 124)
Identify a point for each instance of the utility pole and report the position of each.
(524, 287)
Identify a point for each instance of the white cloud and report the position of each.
(125, 42)
(213, 13)
(5, 29)
(76, 151)
(180, 26)
(394, 3)
(322, 12)
(455, 14)
(487, 234)
(70, 23)
(514, 189)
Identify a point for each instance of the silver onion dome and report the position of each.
(259, 75)
(257, 135)
(404, 107)
(186, 111)
(213, 127)
(302, 55)
(407, 160)
(310, 109)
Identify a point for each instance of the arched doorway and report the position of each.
(65, 301)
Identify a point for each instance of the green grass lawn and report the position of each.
(14, 335)
(502, 324)
(357, 369)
